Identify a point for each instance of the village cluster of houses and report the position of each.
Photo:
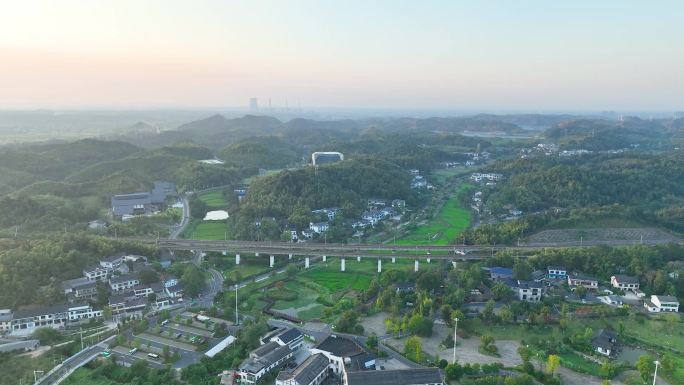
(128, 296)
(378, 211)
(128, 206)
(118, 275)
(532, 291)
(24, 322)
(333, 355)
(418, 181)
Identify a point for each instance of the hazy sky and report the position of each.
(479, 54)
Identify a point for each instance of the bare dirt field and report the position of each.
(374, 324)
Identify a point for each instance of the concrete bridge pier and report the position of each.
(453, 263)
(325, 258)
(306, 263)
(237, 259)
(394, 259)
(272, 261)
(342, 264)
(379, 265)
(256, 254)
(358, 259)
(289, 256)
(415, 265)
(428, 260)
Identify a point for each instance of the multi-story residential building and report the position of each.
(80, 288)
(144, 290)
(262, 361)
(319, 227)
(5, 320)
(123, 282)
(313, 371)
(575, 280)
(557, 272)
(96, 272)
(25, 321)
(662, 303)
(112, 262)
(625, 282)
(529, 291)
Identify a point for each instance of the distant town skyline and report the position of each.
(529, 55)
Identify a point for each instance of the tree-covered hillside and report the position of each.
(268, 152)
(600, 134)
(31, 271)
(644, 180)
(346, 184)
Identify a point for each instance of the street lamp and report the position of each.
(455, 328)
(655, 374)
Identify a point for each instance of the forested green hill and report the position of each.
(345, 184)
(268, 152)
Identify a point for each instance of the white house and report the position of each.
(557, 272)
(96, 272)
(575, 280)
(318, 228)
(625, 282)
(170, 280)
(112, 262)
(662, 303)
(25, 321)
(529, 291)
(123, 282)
(605, 343)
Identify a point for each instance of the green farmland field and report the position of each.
(445, 227)
(209, 230)
(213, 199)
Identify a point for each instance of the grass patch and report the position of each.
(445, 227)
(338, 280)
(213, 199)
(574, 362)
(210, 230)
(314, 313)
(15, 368)
(444, 174)
(84, 376)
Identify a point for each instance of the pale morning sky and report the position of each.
(479, 54)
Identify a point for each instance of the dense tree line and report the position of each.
(643, 180)
(31, 271)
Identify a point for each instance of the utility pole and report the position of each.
(81, 331)
(655, 374)
(455, 328)
(237, 319)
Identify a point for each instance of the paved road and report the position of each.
(63, 370)
(184, 220)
